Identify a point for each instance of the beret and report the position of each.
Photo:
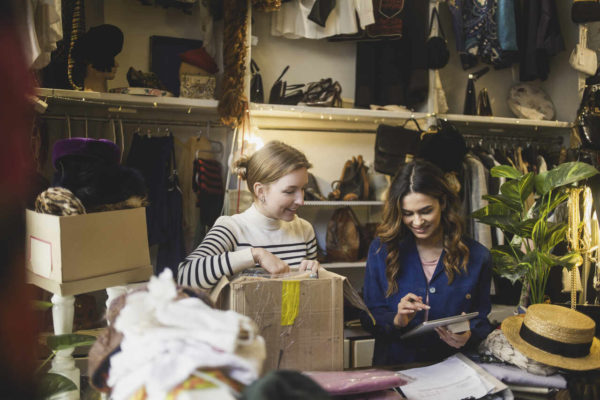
(100, 149)
(200, 58)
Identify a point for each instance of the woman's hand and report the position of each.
(456, 340)
(407, 308)
(310, 265)
(269, 261)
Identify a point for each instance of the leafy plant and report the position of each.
(521, 211)
(50, 384)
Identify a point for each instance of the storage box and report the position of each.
(82, 247)
(300, 318)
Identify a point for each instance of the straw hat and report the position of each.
(556, 336)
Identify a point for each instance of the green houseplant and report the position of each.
(528, 256)
(49, 384)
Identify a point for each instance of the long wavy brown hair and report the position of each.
(425, 178)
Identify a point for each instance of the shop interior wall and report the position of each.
(311, 60)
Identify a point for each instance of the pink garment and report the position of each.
(354, 382)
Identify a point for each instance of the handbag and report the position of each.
(257, 94)
(354, 182)
(282, 93)
(587, 122)
(484, 108)
(582, 58)
(436, 46)
(394, 144)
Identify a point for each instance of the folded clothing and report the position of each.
(517, 376)
(354, 382)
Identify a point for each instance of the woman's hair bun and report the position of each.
(240, 168)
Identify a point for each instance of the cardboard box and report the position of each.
(77, 248)
(300, 318)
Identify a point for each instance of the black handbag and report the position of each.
(257, 95)
(436, 46)
(282, 93)
(393, 144)
(587, 122)
(484, 107)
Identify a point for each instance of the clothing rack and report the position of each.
(473, 140)
(129, 121)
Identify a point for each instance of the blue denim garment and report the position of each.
(469, 292)
(507, 25)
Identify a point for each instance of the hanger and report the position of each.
(68, 119)
(210, 146)
(86, 127)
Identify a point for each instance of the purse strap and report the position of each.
(283, 73)
(434, 14)
(254, 67)
(416, 123)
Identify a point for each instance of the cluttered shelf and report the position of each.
(128, 104)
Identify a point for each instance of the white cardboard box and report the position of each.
(78, 248)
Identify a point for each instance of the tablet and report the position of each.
(457, 323)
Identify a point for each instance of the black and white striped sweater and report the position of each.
(226, 249)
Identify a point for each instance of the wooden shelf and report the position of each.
(342, 265)
(95, 104)
(327, 203)
(352, 120)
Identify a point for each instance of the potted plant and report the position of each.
(521, 211)
(50, 384)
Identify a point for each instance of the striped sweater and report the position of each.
(227, 248)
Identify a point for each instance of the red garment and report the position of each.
(17, 325)
(200, 58)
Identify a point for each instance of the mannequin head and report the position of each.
(94, 56)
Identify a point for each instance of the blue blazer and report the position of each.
(469, 292)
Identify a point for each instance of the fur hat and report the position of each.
(556, 336)
(99, 149)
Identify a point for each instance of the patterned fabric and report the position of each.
(498, 346)
(58, 201)
(197, 86)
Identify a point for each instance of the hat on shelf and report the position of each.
(99, 46)
(99, 149)
(201, 59)
(556, 336)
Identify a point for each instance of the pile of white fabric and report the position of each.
(166, 340)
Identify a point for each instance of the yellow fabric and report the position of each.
(290, 302)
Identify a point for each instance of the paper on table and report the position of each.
(451, 379)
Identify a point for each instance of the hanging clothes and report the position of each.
(41, 29)
(481, 232)
(193, 147)
(291, 21)
(395, 71)
(539, 37)
(208, 186)
(154, 157)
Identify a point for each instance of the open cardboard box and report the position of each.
(300, 318)
(79, 253)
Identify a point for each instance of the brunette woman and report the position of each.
(421, 267)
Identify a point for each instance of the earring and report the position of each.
(262, 199)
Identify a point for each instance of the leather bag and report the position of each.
(257, 94)
(393, 144)
(437, 46)
(282, 93)
(343, 236)
(353, 183)
(587, 122)
(484, 108)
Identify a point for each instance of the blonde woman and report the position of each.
(421, 267)
(269, 234)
